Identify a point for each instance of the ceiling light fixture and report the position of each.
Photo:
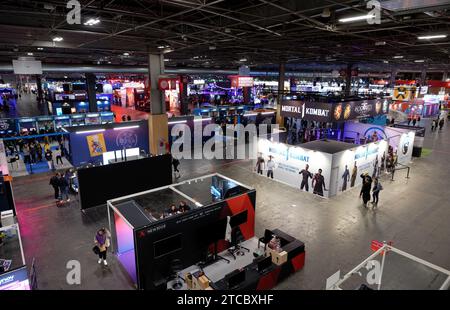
(419, 60)
(436, 36)
(161, 47)
(380, 43)
(356, 18)
(398, 57)
(166, 59)
(92, 22)
(40, 48)
(126, 54)
(30, 54)
(243, 59)
(57, 39)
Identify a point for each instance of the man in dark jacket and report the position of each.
(365, 189)
(54, 182)
(64, 187)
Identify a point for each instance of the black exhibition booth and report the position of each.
(101, 183)
(212, 241)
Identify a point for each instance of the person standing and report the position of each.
(441, 123)
(414, 121)
(318, 183)
(32, 153)
(376, 191)
(270, 167)
(305, 176)
(63, 187)
(54, 182)
(58, 156)
(26, 154)
(365, 189)
(49, 158)
(346, 178)
(383, 161)
(260, 164)
(354, 174)
(175, 164)
(102, 241)
(433, 125)
(409, 120)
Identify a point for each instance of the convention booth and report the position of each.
(199, 234)
(98, 143)
(122, 177)
(341, 163)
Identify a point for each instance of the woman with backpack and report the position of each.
(102, 243)
(377, 187)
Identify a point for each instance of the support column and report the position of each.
(183, 95)
(281, 76)
(40, 95)
(157, 122)
(444, 79)
(423, 79)
(90, 83)
(348, 80)
(393, 77)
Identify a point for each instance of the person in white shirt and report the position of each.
(58, 156)
(270, 167)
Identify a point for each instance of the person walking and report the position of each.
(270, 167)
(433, 125)
(26, 154)
(365, 189)
(318, 183)
(414, 121)
(305, 176)
(63, 187)
(54, 182)
(376, 191)
(49, 158)
(102, 242)
(441, 123)
(58, 156)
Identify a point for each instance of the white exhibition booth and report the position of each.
(341, 163)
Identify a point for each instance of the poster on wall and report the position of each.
(294, 166)
(15, 280)
(354, 163)
(345, 111)
(97, 145)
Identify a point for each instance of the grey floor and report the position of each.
(413, 214)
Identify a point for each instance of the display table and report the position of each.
(254, 279)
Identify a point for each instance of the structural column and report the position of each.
(393, 76)
(348, 80)
(157, 121)
(281, 77)
(40, 94)
(90, 83)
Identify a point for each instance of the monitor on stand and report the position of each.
(236, 235)
(211, 234)
(235, 278)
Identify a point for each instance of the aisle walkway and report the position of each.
(413, 214)
(24, 107)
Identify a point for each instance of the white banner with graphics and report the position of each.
(289, 161)
(349, 165)
(401, 140)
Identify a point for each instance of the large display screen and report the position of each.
(15, 280)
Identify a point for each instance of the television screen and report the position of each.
(238, 219)
(167, 245)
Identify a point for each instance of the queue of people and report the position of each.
(61, 183)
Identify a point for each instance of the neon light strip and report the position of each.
(127, 127)
(89, 131)
(178, 122)
(203, 119)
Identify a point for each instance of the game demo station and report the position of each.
(199, 235)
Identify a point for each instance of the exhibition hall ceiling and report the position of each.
(227, 33)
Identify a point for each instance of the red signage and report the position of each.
(241, 81)
(436, 83)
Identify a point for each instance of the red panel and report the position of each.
(298, 261)
(240, 204)
(269, 280)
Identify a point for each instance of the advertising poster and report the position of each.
(352, 163)
(97, 145)
(291, 108)
(345, 111)
(290, 164)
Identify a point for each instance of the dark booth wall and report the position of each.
(99, 184)
(188, 237)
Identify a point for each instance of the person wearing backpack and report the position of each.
(377, 187)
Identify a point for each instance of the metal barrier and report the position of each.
(403, 168)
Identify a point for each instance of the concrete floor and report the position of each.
(413, 214)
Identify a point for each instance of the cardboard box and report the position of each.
(279, 258)
(203, 282)
(188, 280)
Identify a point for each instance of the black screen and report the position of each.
(77, 86)
(238, 219)
(66, 87)
(265, 263)
(166, 246)
(99, 184)
(213, 232)
(236, 278)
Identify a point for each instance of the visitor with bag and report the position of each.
(102, 243)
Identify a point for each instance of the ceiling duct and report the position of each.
(401, 5)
